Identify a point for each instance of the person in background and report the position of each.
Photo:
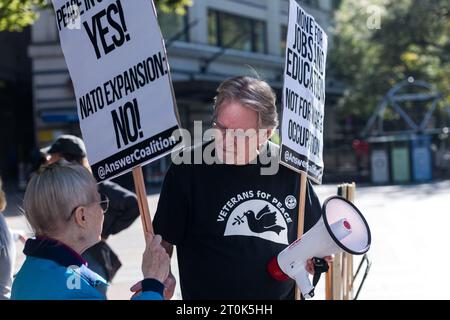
(66, 212)
(7, 251)
(8, 238)
(123, 207)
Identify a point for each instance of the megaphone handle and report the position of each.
(320, 266)
(304, 284)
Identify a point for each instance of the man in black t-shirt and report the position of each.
(229, 219)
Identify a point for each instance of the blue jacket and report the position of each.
(53, 271)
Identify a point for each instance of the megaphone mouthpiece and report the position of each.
(341, 229)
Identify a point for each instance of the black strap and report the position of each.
(320, 266)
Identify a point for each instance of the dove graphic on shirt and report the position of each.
(265, 220)
(257, 218)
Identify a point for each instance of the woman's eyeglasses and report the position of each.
(104, 204)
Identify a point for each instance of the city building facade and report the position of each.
(215, 40)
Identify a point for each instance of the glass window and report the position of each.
(259, 37)
(309, 3)
(283, 31)
(212, 28)
(173, 26)
(232, 31)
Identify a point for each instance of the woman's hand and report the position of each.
(155, 260)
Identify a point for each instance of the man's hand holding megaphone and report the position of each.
(310, 266)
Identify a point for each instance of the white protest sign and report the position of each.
(117, 61)
(304, 94)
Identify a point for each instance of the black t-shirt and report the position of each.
(227, 222)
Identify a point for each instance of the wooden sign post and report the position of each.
(124, 127)
(349, 264)
(303, 103)
(339, 278)
(141, 194)
(301, 216)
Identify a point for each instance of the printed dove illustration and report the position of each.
(263, 221)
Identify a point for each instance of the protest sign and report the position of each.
(118, 64)
(116, 58)
(304, 94)
(303, 102)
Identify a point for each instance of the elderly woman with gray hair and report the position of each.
(65, 210)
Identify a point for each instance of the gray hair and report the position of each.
(252, 93)
(53, 192)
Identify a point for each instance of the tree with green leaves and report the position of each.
(18, 14)
(379, 43)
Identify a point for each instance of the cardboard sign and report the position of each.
(118, 64)
(304, 94)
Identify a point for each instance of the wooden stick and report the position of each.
(349, 284)
(301, 216)
(329, 283)
(337, 285)
(344, 273)
(350, 277)
(337, 279)
(141, 194)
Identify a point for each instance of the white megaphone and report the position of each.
(341, 227)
